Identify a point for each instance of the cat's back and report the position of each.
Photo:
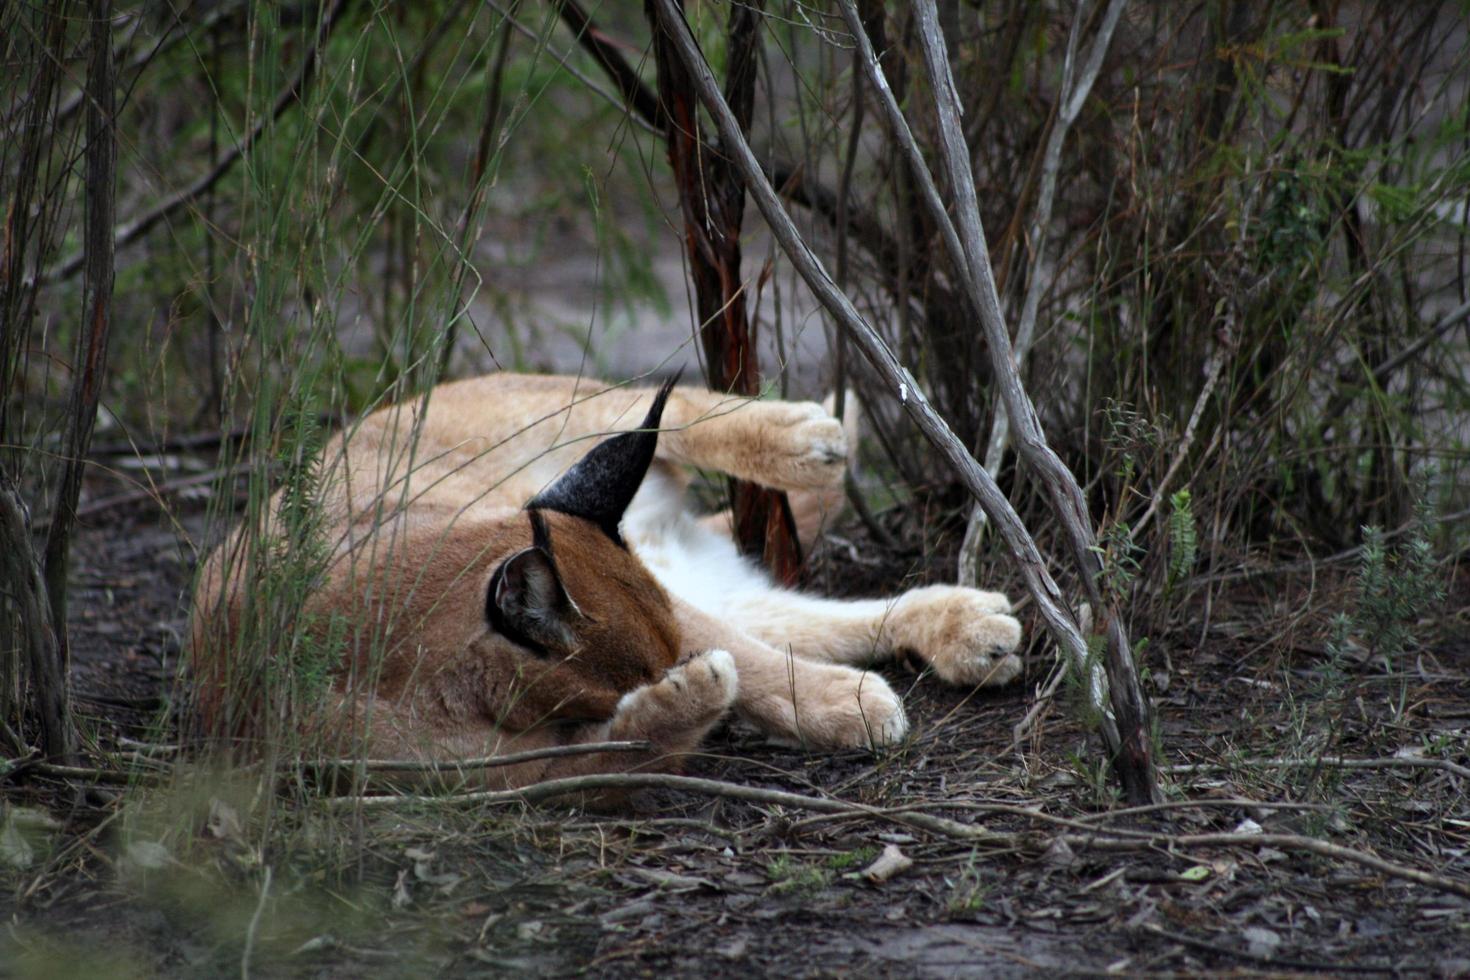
(487, 442)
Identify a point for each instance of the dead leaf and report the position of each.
(401, 897)
(890, 863)
(670, 881)
(15, 851)
(735, 949)
(623, 913)
(1261, 942)
(148, 854)
(1059, 854)
(316, 944)
(224, 822)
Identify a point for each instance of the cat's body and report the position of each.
(485, 603)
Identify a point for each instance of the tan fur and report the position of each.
(423, 501)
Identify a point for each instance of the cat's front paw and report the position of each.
(691, 697)
(805, 447)
(840, 707)
(964, 634)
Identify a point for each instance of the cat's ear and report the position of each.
(602, 483)
(527, 603)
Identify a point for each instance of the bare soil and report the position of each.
(173, 881)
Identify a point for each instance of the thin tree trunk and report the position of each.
(45, 707)
(712, 197)
(90, 365)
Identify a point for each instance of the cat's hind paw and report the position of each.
(962, 633)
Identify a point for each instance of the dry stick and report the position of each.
(120, 777)
(1446, 322)
(1213, 368)
(130, 231)
(156, 492)
(1133, 758)
(1043, 701)
(20, 573)
(89, 370)
(265, 890)
(564, 63)
(141, 61)
(795, 182)
(105, 775)
(980, 289)
(485, 762)
(1339, 762)
(636, 95)
(1099, 838)
(469, 229)
(1070, 99)
(1308, 564)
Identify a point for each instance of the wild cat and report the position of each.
(506, 573)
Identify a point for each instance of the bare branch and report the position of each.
(1127, 730)
(1070, 99)
(132, 230)
(1132, 755)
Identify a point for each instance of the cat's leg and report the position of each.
(966, 635)
(798, 447)
(794, 446)
(820, 705)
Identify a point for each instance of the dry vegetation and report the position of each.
(1235, 270)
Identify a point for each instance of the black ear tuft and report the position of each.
(602, 484)
(527, 603)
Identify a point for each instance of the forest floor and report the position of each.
(198, 876)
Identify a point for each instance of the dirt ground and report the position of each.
(197, 877)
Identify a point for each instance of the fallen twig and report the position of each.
(95, 774)
(1236, 802)
(1098, 838)
(1336, 762)
(484, 762)
(1236, 951)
